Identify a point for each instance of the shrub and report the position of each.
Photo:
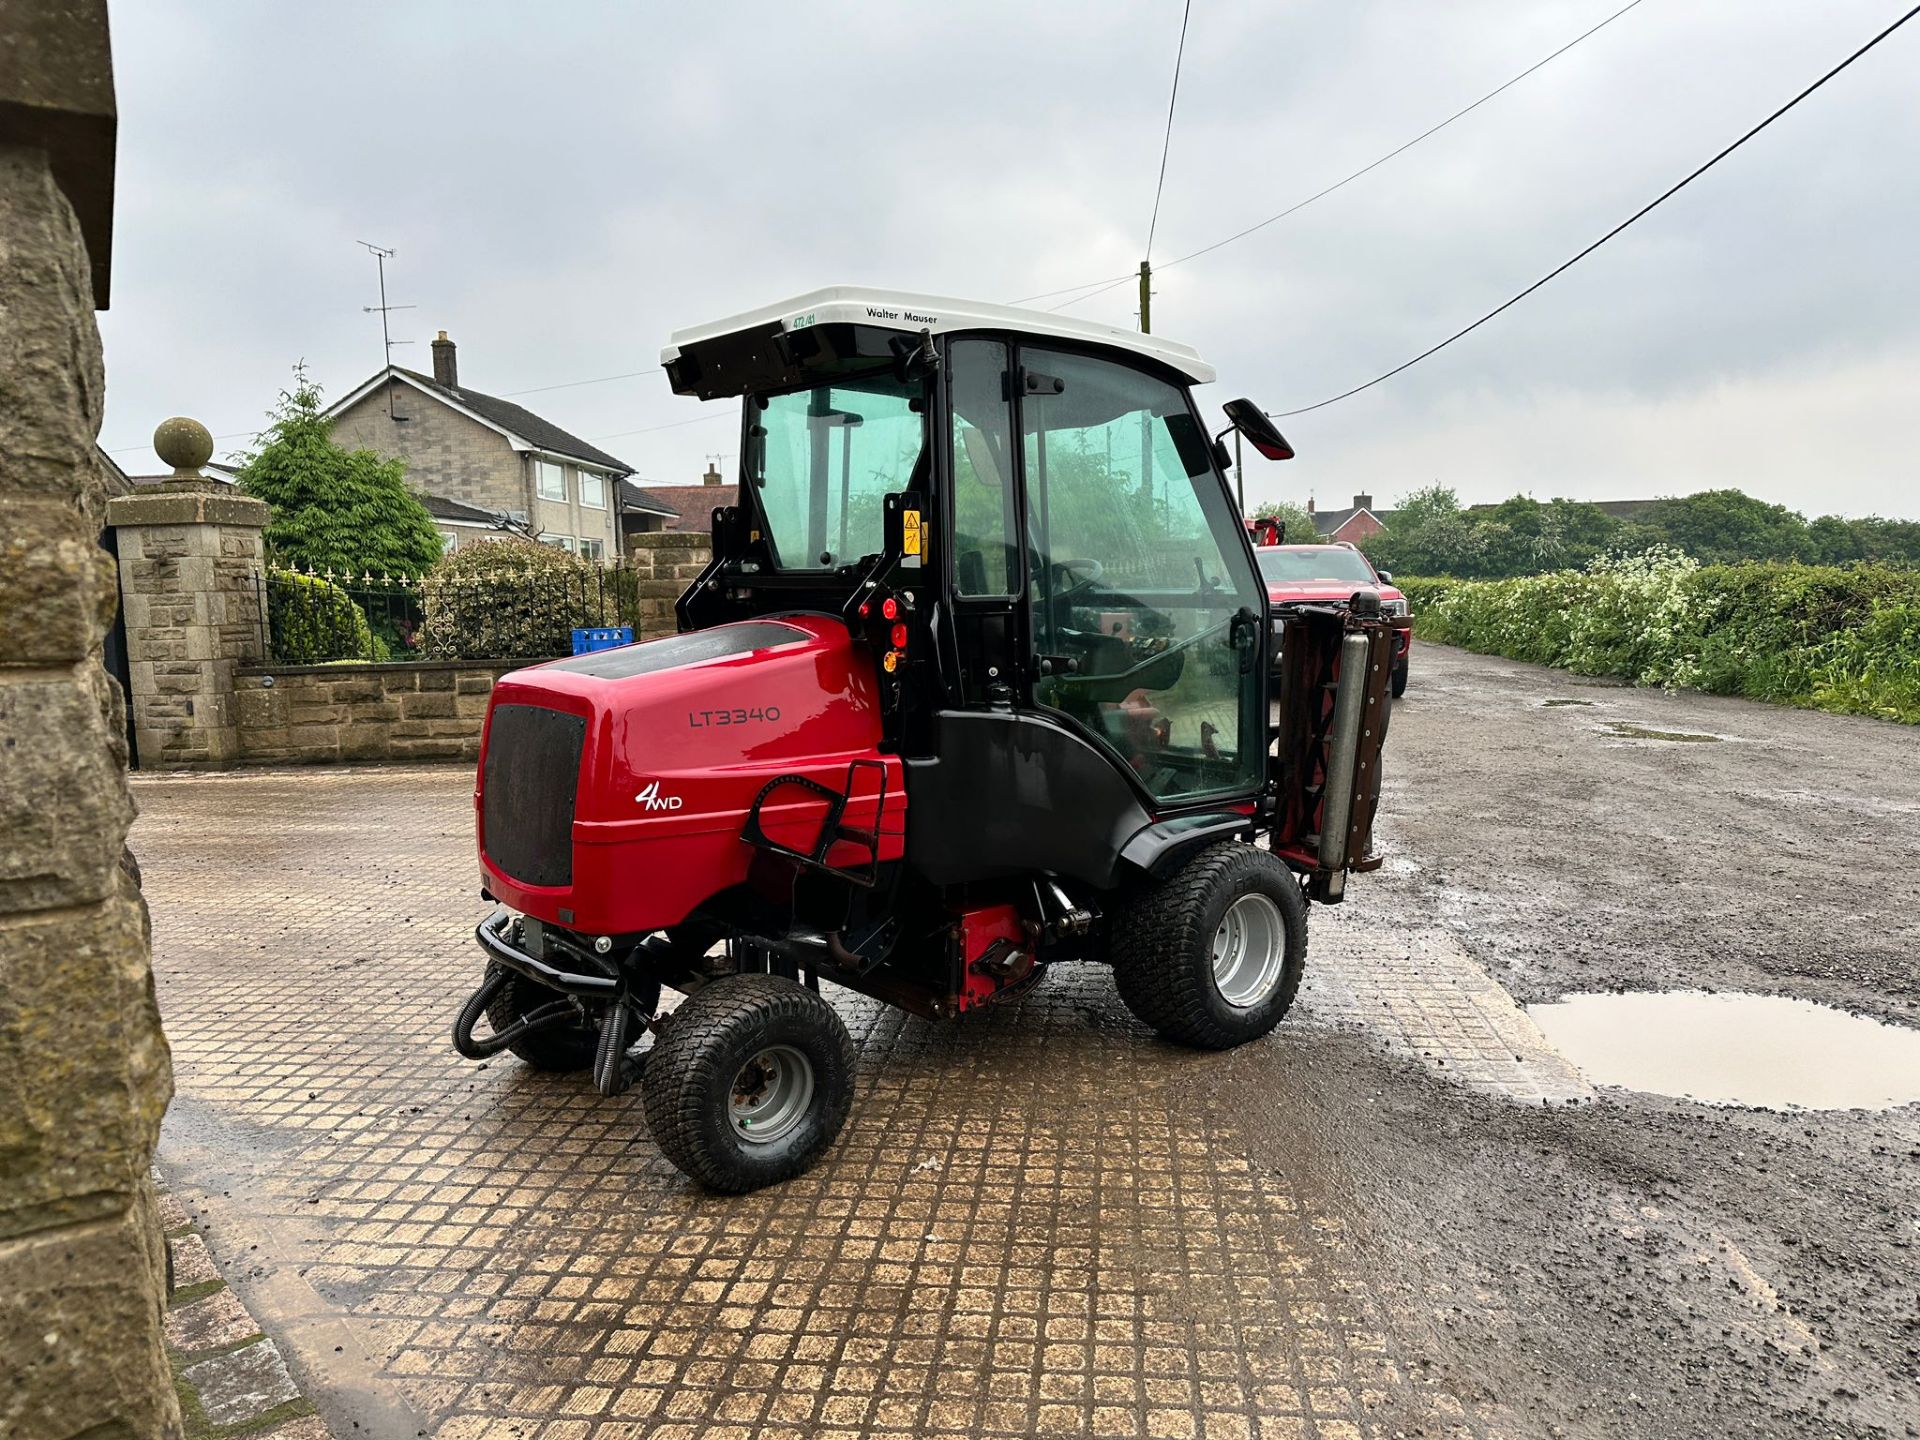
(313, 621)
(333, 508)
(1839, 639)
(512, 599)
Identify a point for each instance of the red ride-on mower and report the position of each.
(978, 680)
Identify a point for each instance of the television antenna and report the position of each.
(381, 254)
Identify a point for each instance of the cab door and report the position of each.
(1143, 608)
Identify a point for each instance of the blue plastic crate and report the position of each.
(601, 637)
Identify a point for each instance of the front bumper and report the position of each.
(560, 969)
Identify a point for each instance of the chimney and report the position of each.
(712, 477)
(1309, 504)
(1363, 502)
(445, 370)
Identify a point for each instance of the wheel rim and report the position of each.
(770, 1094)
(1249, 951)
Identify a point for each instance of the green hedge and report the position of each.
(512, 599)
(313, 621)
(1836, 639)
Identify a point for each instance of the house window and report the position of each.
(447, 542)
(594, 549)
(593, 490)
(560, 542)
(553, 481)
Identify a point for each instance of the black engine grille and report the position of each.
(527, 792)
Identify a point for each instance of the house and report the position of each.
(213, 470)
(1355, 523)
(685, 507)
(640, 514)
(486, 456)
(460, 524)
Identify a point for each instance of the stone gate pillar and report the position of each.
(190, 558)
(84, 1073)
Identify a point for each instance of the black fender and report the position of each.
(1158, 849)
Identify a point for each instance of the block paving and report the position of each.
(1033, 1224)
(232, 1381)
(1418, 994)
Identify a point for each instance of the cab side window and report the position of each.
(984, 558)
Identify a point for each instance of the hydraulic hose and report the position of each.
(476, 1047)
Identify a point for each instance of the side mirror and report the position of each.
(1386, 576)
(1251, 421)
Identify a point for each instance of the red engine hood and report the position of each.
(677, 738)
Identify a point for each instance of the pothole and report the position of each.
(1622, 730)
(1759, 1051)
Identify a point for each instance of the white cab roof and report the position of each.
(901, 310)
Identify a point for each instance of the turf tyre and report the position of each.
(1162, 947)
(689, 1089)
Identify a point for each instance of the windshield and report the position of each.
(1315, 562)
(825, 458)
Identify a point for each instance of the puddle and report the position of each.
(1621, 730)
(1750, 1050)
(1550, 704)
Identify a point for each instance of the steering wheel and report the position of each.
(1073, 580)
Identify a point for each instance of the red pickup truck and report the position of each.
(1333, 572)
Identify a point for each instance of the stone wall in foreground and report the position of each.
(84, 1070)
(324, 714)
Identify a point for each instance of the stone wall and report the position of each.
(190, 558)
(666, 561)
(323, 714)
(84, 1069)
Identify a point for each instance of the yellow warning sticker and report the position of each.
(909, 532)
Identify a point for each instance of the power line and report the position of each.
(1643, 210)
(231, 435)
(733, 415)
(1402, 149)
(1109, 282)
(573, 384)
(504, 395)
(1322, 194)
(1167, 144)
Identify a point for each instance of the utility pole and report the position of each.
(1146, 298)
(381, 255)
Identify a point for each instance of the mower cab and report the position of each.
(980, 678)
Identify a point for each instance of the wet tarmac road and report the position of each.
(1043, 1221)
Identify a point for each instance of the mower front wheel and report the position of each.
(1212, 955)
(749, 1082)
(560, 1048)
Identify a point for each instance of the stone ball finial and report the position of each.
(184, 444)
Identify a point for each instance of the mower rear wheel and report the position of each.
(1212, 956)
(749, 1082)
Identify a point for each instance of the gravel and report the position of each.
(1640, 1266)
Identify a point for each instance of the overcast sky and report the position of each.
(567, 183)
